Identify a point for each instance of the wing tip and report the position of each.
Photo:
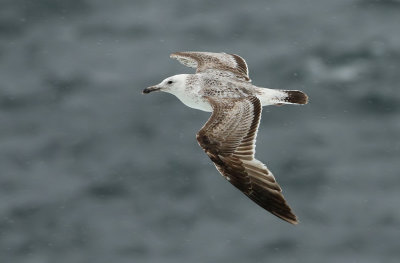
(182, 53)
(174, 55)
(294, 221)
(178, 54)
(290, 218)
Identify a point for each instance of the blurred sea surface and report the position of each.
(92, 171)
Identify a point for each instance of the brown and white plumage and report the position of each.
(232, 64)
(222, 85)
(229, 138)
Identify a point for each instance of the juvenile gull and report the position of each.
(222, 86)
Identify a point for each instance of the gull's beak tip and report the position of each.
(150, 89)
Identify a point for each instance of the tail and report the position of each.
(279, 97)
(295, 97)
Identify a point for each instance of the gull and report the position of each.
(221, 85)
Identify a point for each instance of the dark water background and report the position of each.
(93, 171)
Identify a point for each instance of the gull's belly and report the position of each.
(196, 102)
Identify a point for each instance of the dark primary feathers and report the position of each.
(228, 138)
(230, 64)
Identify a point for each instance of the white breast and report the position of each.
(194, 101)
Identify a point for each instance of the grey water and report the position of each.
(93, 171)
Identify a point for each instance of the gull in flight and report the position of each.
(222, 86)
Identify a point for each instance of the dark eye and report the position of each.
(169, 82)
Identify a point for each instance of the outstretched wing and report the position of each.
(228, 138)
(221, 63)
